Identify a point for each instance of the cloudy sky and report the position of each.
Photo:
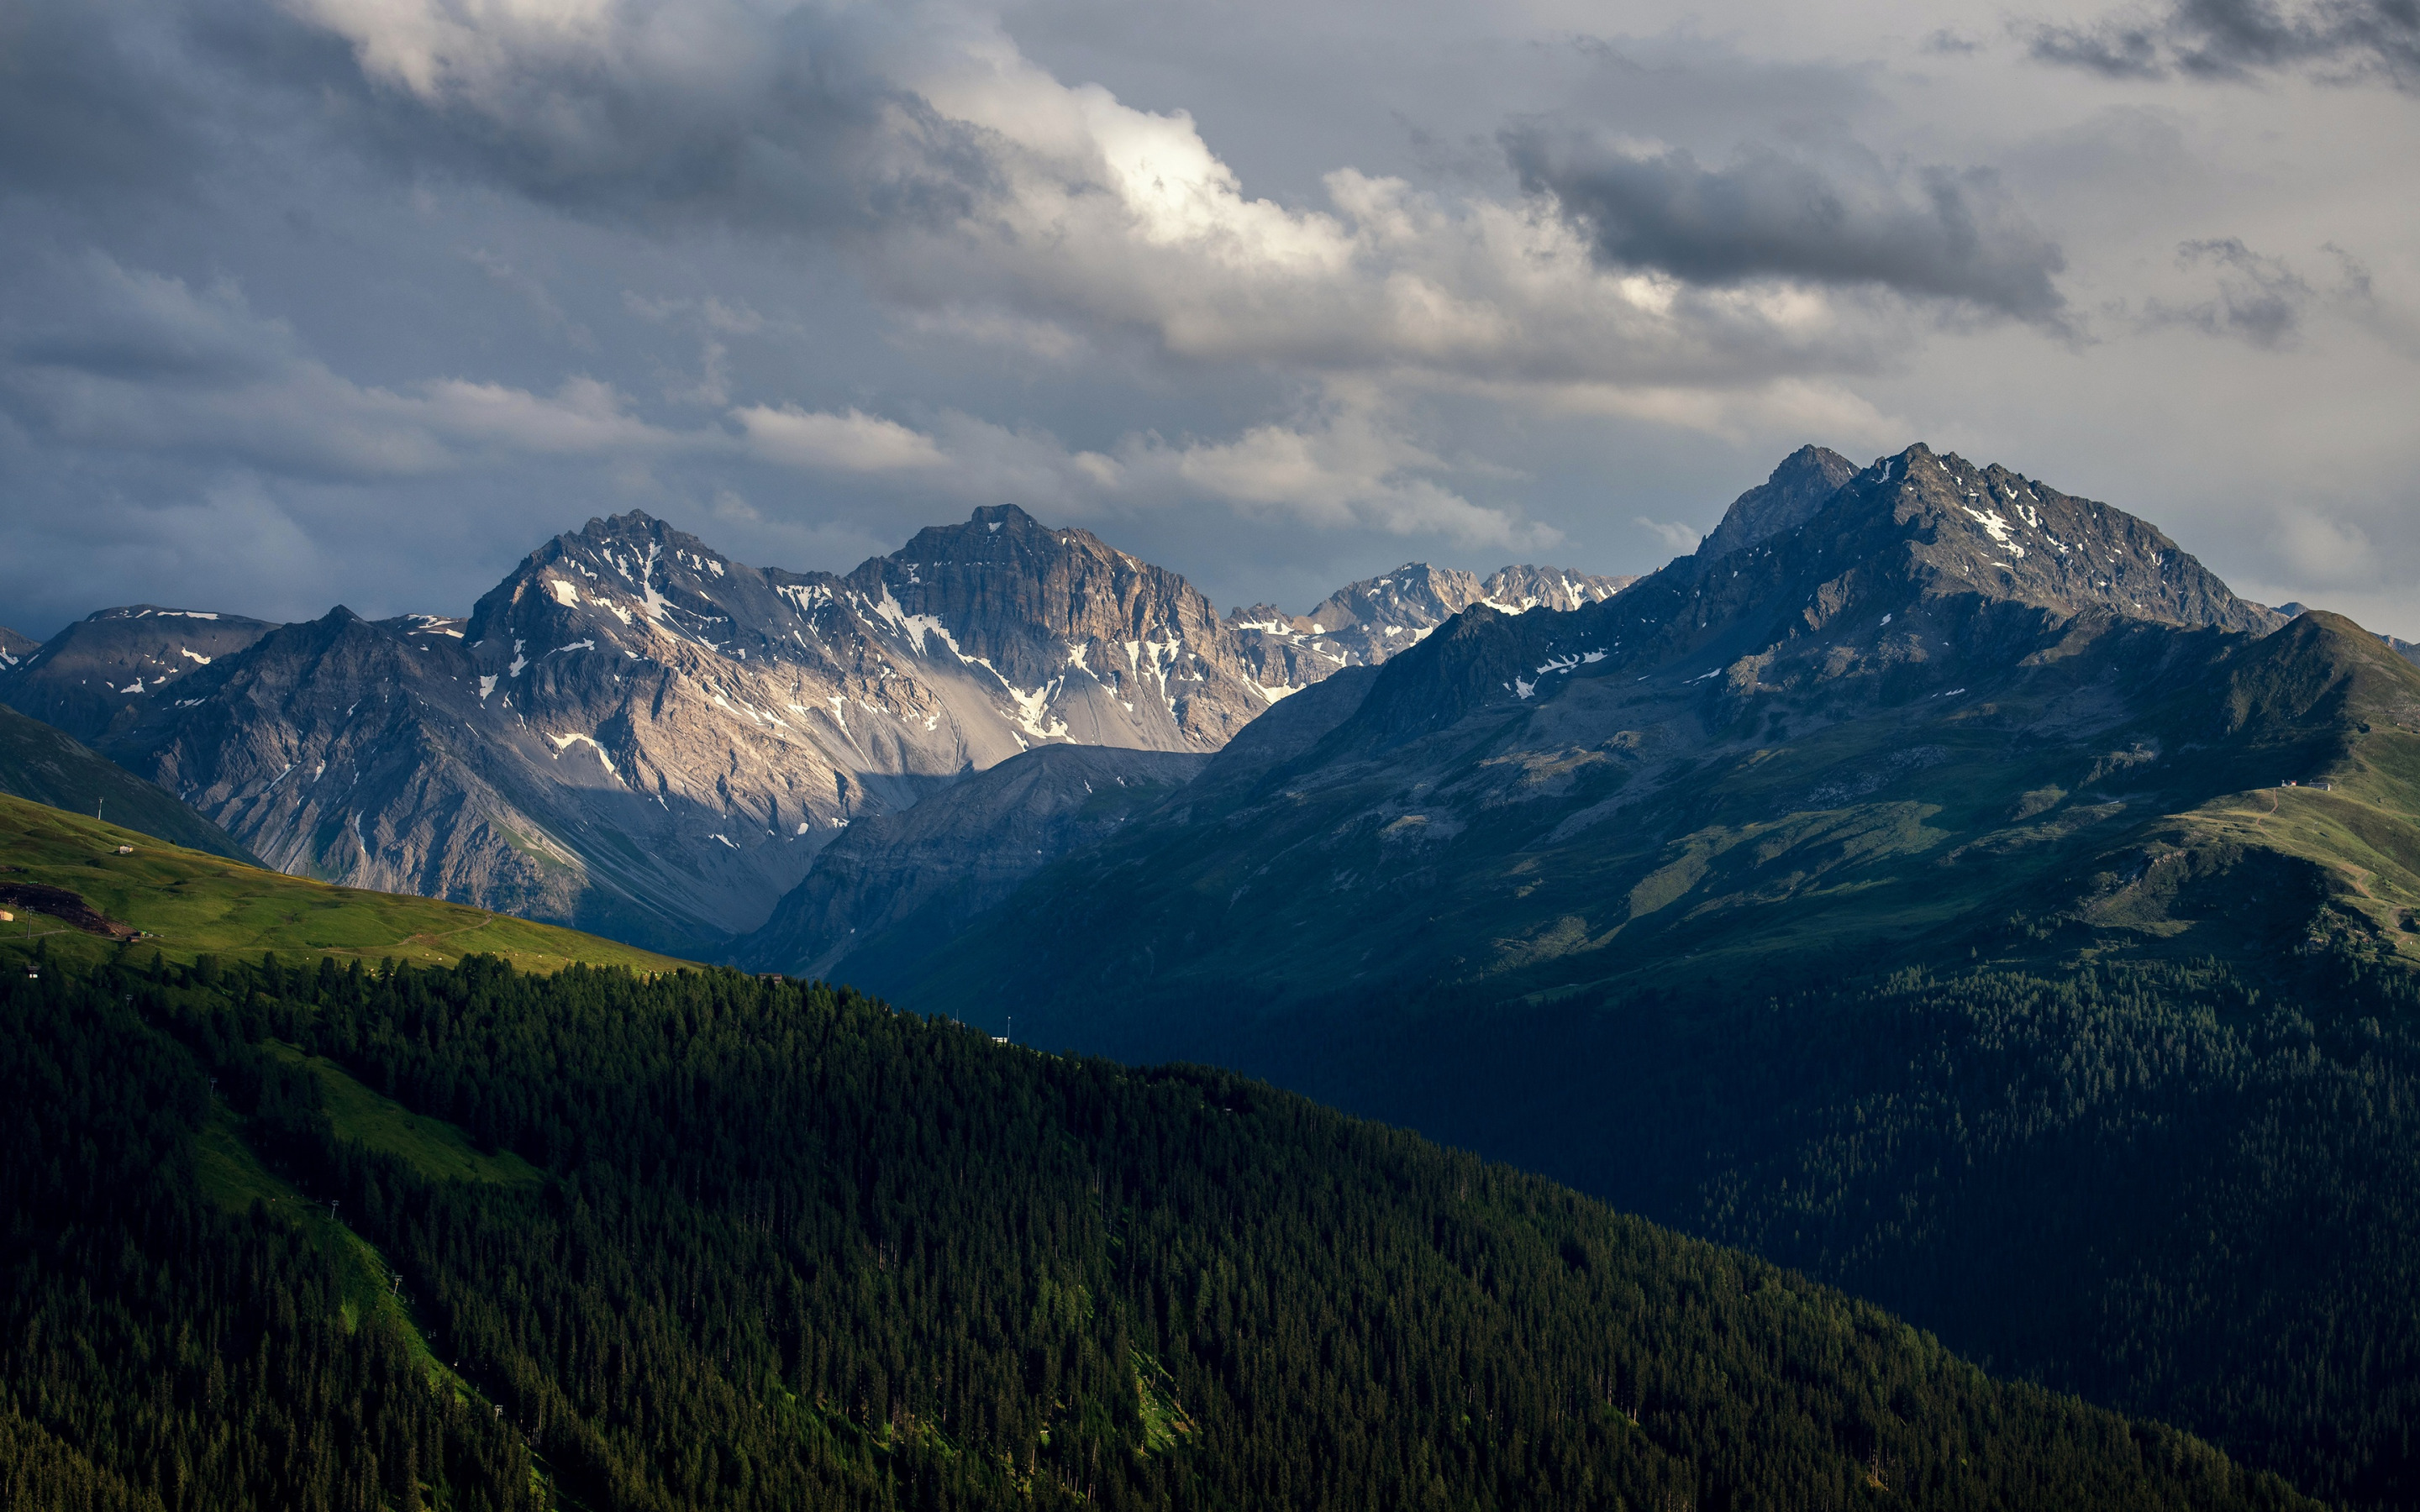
(318, 301)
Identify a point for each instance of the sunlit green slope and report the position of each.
(187, 903)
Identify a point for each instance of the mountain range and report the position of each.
(1947, 886)
(1937, 881)
(637, 734)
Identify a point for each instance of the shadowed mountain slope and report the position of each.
(1938, 814)
(105, 672)
(1814, 733)
(44, 765)
(896, 885)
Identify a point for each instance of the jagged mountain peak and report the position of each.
(1005, 533)
(1990, 531)
(1901, 581)
(1367, 622)
(1095, 646)
(1413, 594)
(1798, 486)
(1518, 589)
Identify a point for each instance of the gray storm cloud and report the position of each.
(773, 118)
(323, 300)
(1930, 233)
(2239, 39)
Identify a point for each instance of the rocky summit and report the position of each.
(635, 733)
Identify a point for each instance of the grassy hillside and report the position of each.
(188, 903)
(49, 766)
(711, 1241)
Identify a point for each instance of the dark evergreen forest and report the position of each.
(2171, 1188)
(782, 1246)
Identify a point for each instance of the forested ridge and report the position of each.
(787, 1247)
(2176, 1188)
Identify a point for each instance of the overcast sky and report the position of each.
(307, 301)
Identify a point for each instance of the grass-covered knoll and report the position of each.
(190, 903)
(50, 767)
(794, 1249)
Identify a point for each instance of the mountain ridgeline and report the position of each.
(286, 1234)
(635, 733)
(1937, 883)
(1950, 888)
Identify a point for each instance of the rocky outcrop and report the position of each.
(15, 648)
(1806, 479)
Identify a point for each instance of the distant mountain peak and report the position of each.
(1797, 487)
(993, 518)
(1960, 528)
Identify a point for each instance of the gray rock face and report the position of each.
(1799, 487)
(1078, 640)
(103, 673)
(897, 884)
(46, 765)
(15, 648)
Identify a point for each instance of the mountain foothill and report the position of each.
(1938, 888)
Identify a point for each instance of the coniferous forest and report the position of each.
(2174, 1188)
(709, 1240)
